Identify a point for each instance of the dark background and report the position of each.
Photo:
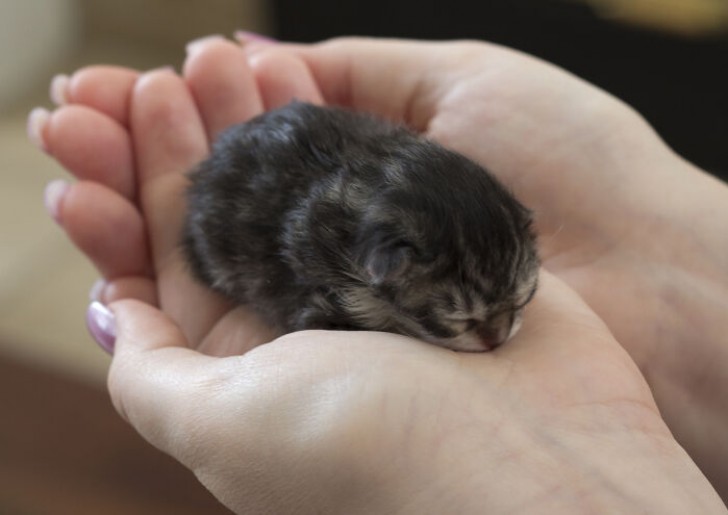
(678, 82)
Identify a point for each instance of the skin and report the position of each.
(588, 166)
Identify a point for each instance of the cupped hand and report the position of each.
(633, 228)
(582, 160)
(560, 420)
(614, 207)
(132, 149)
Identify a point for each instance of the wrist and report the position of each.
(638, 470)
(680, 260)
(528, 472)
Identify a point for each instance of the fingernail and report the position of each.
(97, 290)
(53, 196)
(59, 89)
(37, 120)
(102, 326)
(244, 37)
(196, 45)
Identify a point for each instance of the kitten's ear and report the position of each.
(387, 262)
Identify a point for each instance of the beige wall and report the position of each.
(44, 281)
(172, 22)
(34, 35)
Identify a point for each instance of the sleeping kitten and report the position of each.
(321, 218)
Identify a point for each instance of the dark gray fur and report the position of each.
(321, 218)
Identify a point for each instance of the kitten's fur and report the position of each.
(323, 218)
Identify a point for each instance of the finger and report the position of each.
(106, 89)
(105, 226)
(91, 146)
(221, 83)
(156, 381)
(283, 77)
(169, 140)
(238, 332)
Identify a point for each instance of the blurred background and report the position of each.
(62, 448)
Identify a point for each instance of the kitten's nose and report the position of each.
(491, 336)
(495, 332)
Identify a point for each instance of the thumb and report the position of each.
(559, 321)
(563, 336)
(154, 374)
(397, 79)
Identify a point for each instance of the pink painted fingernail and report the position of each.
(244, 37)
(101, 323)
(37, 120)
(196, 45)
(59, 89)
(53, 196)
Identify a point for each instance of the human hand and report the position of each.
(638, 232)
(138, 202)
(68, 224)
(558, 421)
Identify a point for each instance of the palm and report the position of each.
(362, 398)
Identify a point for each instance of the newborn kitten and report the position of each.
(321, 218)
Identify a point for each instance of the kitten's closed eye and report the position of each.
(387, 261)
(323, 218)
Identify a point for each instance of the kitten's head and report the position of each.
(448, 255)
